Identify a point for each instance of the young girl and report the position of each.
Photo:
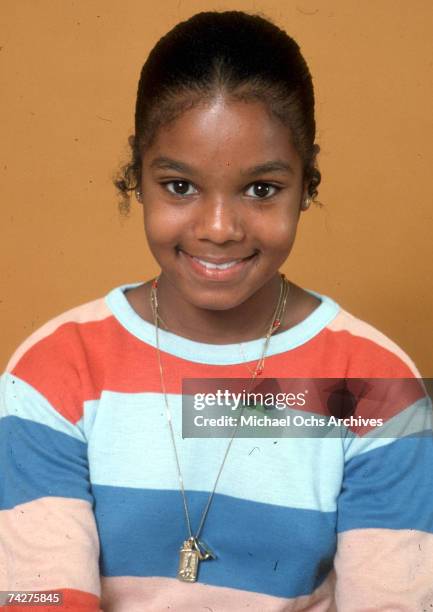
(102, 500)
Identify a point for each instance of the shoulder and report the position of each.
(53, 363)
(368, 349)
(60, 328)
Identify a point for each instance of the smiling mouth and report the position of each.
(213, 263)
(218, 268)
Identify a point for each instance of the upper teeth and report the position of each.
(214, 266)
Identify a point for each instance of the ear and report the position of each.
(305, 204)
(139, 196)
(306, 200)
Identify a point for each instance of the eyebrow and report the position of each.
(171, 164)
(270, 166)
(277, 165)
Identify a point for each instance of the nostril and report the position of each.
(219, 223)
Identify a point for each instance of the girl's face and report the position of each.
(221, 191)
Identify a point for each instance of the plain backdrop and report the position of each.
(68, 76)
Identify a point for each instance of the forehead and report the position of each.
(224, 132)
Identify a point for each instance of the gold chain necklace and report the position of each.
(275, 324)
(193, 550)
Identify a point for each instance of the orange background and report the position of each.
(68, 78)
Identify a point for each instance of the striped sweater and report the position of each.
(89, 495)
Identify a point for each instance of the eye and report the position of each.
(181, 188)
(261, 190)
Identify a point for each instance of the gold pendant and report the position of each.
(188, 561)
(192, 552)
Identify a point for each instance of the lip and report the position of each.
(234, 272)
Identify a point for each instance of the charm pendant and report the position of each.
(188, 561)
(192, 552)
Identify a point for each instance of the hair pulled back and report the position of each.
(242, 56)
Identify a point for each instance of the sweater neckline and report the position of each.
(219, 354)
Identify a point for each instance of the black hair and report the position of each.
(243, 56)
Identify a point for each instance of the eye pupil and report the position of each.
(180, 187)
(261, 190)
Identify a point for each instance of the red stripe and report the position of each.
(80, 360)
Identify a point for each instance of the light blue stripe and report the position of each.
(220, 354)
(412, 421)
(18, 398)
(129, 446)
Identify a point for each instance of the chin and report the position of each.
(217, 300)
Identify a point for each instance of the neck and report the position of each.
(247, 321)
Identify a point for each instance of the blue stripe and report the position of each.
(390, 487)
(259, 547)
(37, 461)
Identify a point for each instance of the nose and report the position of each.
(219, 220)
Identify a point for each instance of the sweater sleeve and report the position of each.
(384, 559)
(49, 539)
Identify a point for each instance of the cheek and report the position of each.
(162, 226)
(278, 232)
